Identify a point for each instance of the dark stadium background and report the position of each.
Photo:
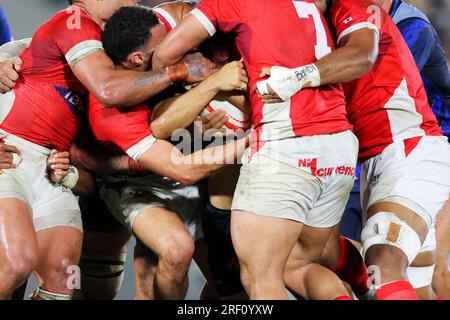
(26, 15)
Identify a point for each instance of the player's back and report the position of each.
(48, 100)
(388, 103)
(283, 33)
(119, 129)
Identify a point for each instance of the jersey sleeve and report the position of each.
(222, 15)
(421, 39)
(348, 16)
(130, 131)
(77, 35)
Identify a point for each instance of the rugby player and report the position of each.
(409, 153)
(150, 200)
(281, 208)
(58, 67)
(423, 41)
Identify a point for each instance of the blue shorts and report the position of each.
(222, 258)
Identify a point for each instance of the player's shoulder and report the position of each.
(71, 18)
(177, 8)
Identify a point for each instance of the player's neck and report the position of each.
(92, 12)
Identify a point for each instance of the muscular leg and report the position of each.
(307, 278)
(441, 276)
(391, 263)
(59, 249)
(201, 259)
(18, 246)
(102, 263)
(164, 233)
(263, 245)
(145, 265)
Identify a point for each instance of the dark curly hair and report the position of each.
(127, 30)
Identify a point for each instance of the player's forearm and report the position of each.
(208, 161)
(181, 112)
(122, 88)
(346, 64)
(85, 185)
(166, 160)
(99, 160)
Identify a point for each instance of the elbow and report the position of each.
(109, 96)
(365, 61)
(160, 131)
(187, 179)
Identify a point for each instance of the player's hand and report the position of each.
(7, 152)
(58, 166)
(271, 96)
(9, 73)
(231, 77)
(214, 120)
(199, 67)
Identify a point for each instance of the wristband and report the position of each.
(178, 72)
(70, 181)
(134, 166)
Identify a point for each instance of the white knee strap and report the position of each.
(387, 228)
(47, 295)
(420, 276)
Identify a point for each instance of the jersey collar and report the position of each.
(394, 8)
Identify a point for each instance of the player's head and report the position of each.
(131, 35)
(219, 49)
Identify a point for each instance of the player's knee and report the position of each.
(385, 228)
(178, 254)
(17, 266)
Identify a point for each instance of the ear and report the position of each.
(137, 58)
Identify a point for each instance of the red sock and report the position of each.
(351, 267)
(343, 298)
(396, 290)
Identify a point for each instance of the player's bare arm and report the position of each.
(184, 38)
(96, 158)
(355, 57)
(59, 171)
(163, 158)
(180, 112)
(122, 88)
(9, 155)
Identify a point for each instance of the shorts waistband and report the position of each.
(25, 146)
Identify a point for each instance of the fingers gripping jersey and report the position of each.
(48, 100)
(121, 130)
(389, 103)
(284, 33)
